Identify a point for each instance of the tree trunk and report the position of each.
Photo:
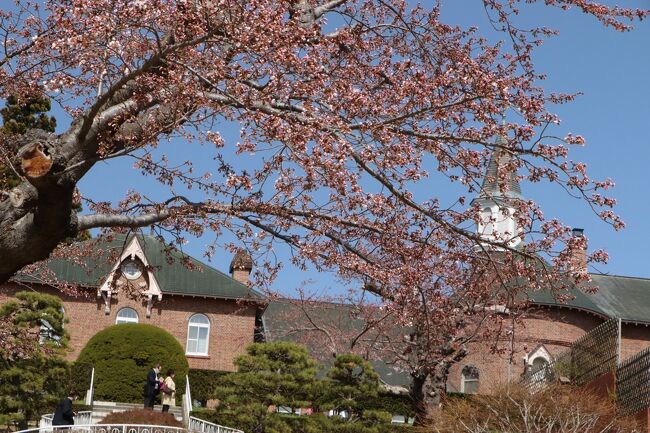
(36, 215)
(427, 391)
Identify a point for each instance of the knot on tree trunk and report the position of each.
(35, 162)
(35, 153)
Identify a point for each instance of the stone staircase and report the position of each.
(103, 408)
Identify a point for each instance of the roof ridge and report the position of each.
(204, 264)
(600, 274)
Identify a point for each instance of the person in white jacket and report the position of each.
(168, 389)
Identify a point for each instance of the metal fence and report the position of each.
(198, 425)
(633, 383)
(82, 418)
(592, 355)
(106, 428)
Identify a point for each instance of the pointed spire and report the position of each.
(491, 190)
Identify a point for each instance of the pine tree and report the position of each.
(351, 382)
(29, 386)
(17, 117)
(270, 375)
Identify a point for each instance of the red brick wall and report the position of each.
(556, 328)
(232, 325)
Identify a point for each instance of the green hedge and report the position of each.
(79, 377)
(396, 404)
(123, 354)
(285, 423)
(203, 383)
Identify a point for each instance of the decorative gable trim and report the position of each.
(539, 352)
(133, 250)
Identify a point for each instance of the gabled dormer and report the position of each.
(132, 272)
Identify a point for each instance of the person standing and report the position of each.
(169, 391)
(152, 387)
(64, 415)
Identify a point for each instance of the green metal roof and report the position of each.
(284, 320)
(176, 273)
(627, 298)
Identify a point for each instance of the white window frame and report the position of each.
(465, 379)
(119, 320)
(200, 326)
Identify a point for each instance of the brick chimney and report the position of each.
(579, 254)
(241, 266)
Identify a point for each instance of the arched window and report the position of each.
(198, 331)
(486, 225)
(127, 315)
(539, 363)
(469, 380)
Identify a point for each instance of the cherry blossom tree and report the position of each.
(347, 107)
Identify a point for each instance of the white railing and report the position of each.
(198, 425)
(106, 428)
(187, 402)
(83, 418)
(90, 394)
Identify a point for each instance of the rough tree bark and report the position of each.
(37, 214)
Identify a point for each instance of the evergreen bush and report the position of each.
(123, 354)
(203, 383)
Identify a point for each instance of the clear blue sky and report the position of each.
(612, 69)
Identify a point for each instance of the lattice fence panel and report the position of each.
(537, 377)
(633, 383)
(590, 356)
(595, 353)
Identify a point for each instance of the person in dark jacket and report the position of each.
(64, 415)
(152, 387)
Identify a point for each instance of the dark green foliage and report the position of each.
(19, 116)
(123, 354)
(79, 374)
(315, 423)
(29, 310)
(29, 388)
(31, 384)
(269, 375)
(396, 404)
(350, 381)
(278, 374)
(204, 382)
(282, 374)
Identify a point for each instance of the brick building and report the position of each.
(141, 280)
(214, 315)
(547, 329)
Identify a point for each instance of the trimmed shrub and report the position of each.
(204, 382)
(556, 408)
(274, 422)
(123, 354)
(395, 404)
(142, 416)
(79, 377)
